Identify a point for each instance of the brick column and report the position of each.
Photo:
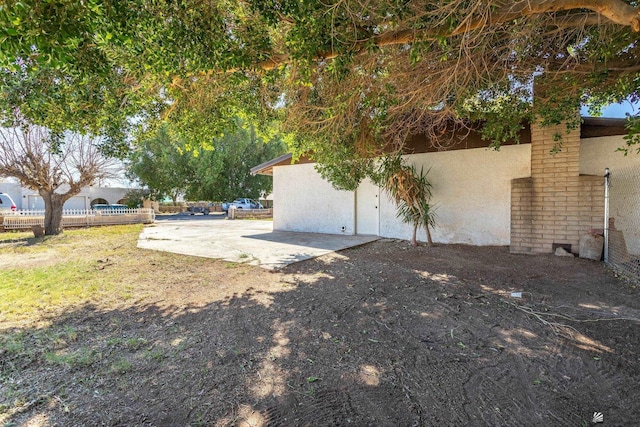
(521, 215)
(556, 205)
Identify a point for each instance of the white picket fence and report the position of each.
(25, 219)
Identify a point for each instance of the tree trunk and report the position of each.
(53, 204)
(429, 241)
(414, 241)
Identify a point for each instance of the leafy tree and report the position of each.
(353, 79)
(136, 197)
(219, 171)
(57, 166)
(160, 164)
(90, 104)
(224, 172)
(65, 122)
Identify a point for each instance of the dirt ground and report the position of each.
(379, 335)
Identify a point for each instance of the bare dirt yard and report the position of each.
(379, 335)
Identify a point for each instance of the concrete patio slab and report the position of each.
(245, 241)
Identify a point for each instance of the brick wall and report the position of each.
(556, 205)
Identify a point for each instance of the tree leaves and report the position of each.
(170, 169)
(350, 78)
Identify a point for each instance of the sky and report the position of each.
(615, 110)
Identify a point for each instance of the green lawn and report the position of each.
(47, 274)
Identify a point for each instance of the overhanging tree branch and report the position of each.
(604, 11)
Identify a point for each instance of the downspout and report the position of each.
(607, 175)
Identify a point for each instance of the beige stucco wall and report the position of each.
(596, 154)
(306, 202)
(471, 189)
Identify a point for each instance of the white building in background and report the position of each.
(27, 199)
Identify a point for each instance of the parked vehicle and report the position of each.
(243, 203)
(6, 203)
(198, 209)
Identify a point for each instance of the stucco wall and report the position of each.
(306, 202)
(471, 189)
(596, 154)
(26, 198)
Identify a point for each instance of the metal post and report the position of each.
(607, 175)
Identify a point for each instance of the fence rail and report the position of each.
(25, 219)
(623, 234)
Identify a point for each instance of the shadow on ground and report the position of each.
(382, 334)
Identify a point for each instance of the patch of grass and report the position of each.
(121, 366)
(80, 265)
(134, 344)
(88, 240)
(15, 235)
(81, 358)
(63, 338)
(115, 342)
(23, 291)
(49, 346)
(13, 343)
(230, 264)
(155, 355)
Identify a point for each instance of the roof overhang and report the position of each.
(266, 168)
(591, 127)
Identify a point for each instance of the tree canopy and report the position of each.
(167, 167)
(159, 163)
(351, 78)
(224, 173)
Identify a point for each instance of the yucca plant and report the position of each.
(411, 191)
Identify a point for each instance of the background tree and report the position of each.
(224, 172)
(136, 196)
(57, 166)
(61, 123)
(218, 170)
(161, 165)
(88, 103)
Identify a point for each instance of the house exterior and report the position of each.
(27, 199)
(521, 195)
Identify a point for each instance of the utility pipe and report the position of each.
(607, 175)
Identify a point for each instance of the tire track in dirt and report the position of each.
(492, 398)
(603, 376)
(431, 384)
(325, 408)
(379, 405)
(529, 398)
(572, 393)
